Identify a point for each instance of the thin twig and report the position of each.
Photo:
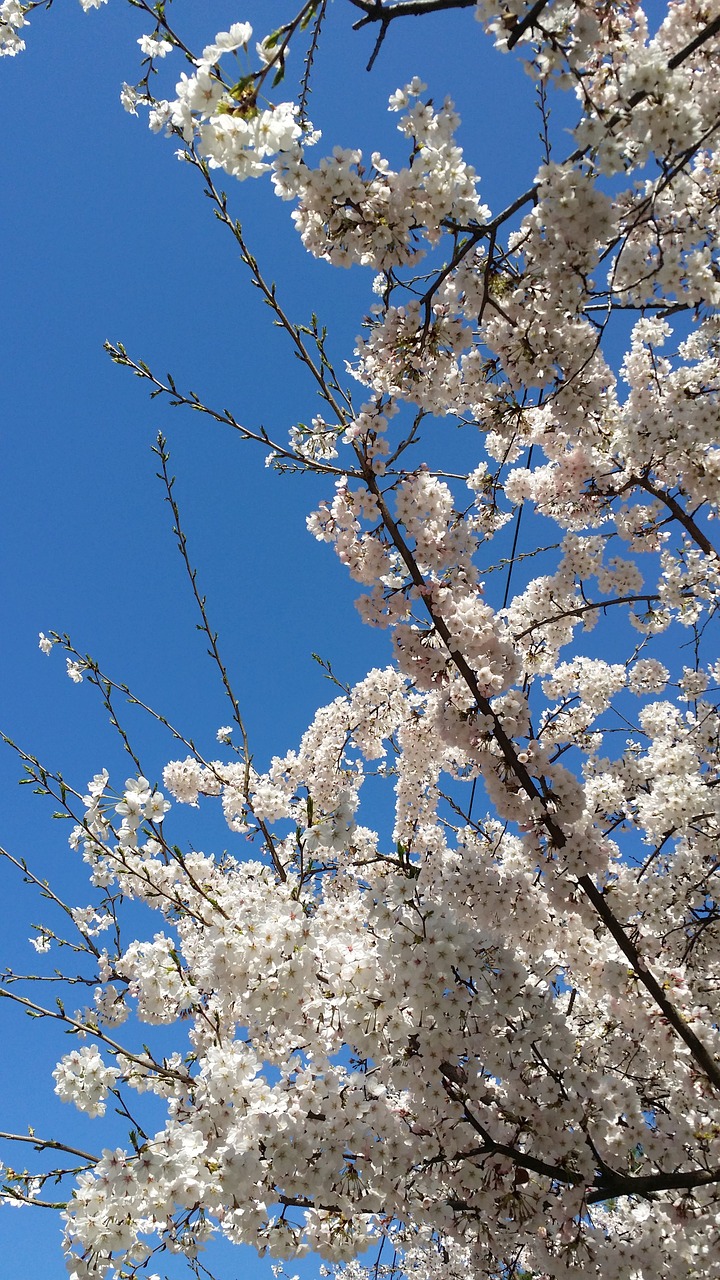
(43, 1144)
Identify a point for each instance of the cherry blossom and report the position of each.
(473, 1027)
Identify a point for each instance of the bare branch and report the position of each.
(48, 1144)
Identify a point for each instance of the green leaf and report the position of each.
(270, 42)
(238, 90)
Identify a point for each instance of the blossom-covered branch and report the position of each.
(474, 1024)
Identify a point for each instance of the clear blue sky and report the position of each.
(106, 236)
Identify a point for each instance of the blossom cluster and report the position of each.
(83, 1078)
(227, 124)
(347, 215)
(12, 20)
(484, 1028)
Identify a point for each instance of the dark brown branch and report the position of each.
(521, 1158)
(701, 38)
(224, 417)
(377, 11)
(680, 514)
(698, 1050)
(579, 610)
(525, 23)
(609, 1184)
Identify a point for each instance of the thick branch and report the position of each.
(521, 1158)
(680, 514)
(609, 1184)
(525, 23)
(377, 11)
(475, 234)
(705, 34)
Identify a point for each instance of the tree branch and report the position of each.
(558, 839)
(525, 23)
(377, 11)
(48, 1144)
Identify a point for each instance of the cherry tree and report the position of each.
(486, 1044)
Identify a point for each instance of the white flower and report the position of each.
(82, 1077)
(129, 99)
(224, 734)
(648, 676)
(693, 683)
(45, 643)
(75, 670)
(159, 116)
(156, 807)
(183, 779)
(154, 46)
(136, 796)
(266, 52)
(226, 42)
(96, 786)
(12, 13)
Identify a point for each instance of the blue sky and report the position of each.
(107, 236)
